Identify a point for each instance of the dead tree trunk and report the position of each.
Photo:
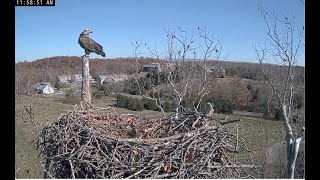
(293, 144)
(286, 40)
(85, 87)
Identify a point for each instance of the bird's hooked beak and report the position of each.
(88, 31)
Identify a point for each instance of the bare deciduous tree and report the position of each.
(153, 52)
(180, 49)
(136, 53)
(190, 55)
(286, 41)
(186, 75)
(28, 113)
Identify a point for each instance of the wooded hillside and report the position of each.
(243, 89)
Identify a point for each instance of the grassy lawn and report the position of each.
(45, 110)
(260, 134)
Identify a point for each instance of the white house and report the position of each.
(64, 79)
(73, 78)
(43, 88)
(114, 78)
(100, 79)
(153, 67)
(216, 70)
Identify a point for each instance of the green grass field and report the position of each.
(260, 134)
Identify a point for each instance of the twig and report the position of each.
(101, 143)
(72, 171)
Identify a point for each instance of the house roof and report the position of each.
(212, 68)
(101, 76)
(113, 77)
(152, 65)
(64, 76)
(80, 76)
(74, 77)
(42, 85)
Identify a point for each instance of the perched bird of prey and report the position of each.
(90, 45)
(209, 116)
(209, 109)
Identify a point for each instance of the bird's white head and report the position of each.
(210, 104)
(86, 32)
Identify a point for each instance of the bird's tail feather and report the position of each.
(102, 53)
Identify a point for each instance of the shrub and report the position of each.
(72, 92)
(156, 94)
(298, 100)
(223, 106)
(129, 103)
(97, 92)
(167, 106)
(113, 87)
(57, 85)
(99, 87)
(157, 78)
(131, 86)
(278, 115)
(202, 106)
(138, 105)
(255, 94)
(134, 104)
(187, 103)
(149, 104)
(147, 85)
(122, 101)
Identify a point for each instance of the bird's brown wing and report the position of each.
(90, 45)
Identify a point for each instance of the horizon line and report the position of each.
(161, 59)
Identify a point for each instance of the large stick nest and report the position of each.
(101, 143)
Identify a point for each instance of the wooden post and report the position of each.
(85, 88)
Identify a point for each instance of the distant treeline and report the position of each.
(47, 69)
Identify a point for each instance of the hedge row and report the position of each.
(220, 106)
(141, 104)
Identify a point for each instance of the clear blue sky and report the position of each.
(53, 31)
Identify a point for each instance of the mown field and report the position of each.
(261, 135)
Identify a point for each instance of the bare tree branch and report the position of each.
(286, 42)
